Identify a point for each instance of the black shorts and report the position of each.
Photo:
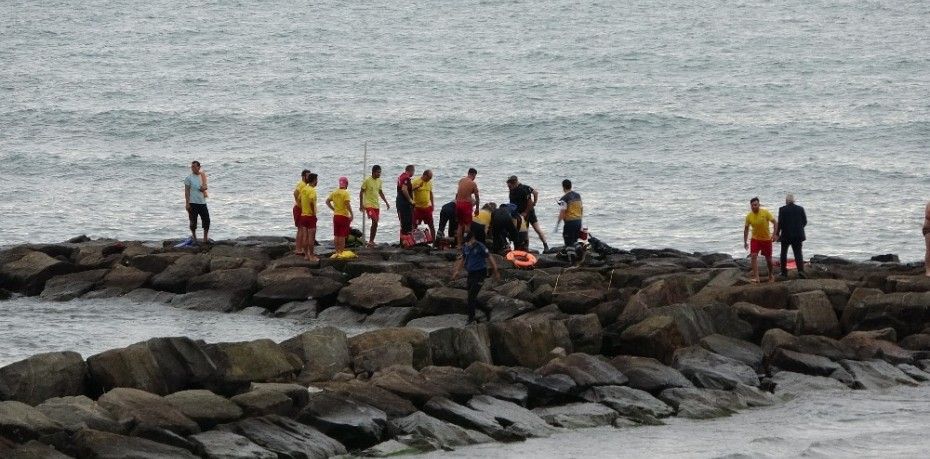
(201, 211)
(531, 216)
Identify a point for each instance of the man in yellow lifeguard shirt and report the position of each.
(300, 231)
(340, 203)
(758, 219)
(306, 242)
(423, 201)
(368, 197)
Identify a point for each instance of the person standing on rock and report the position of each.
(475, 259)
(467, 204)
(340, 203)
(297, 211)
(423, 201)
(789, 230)
(370, 205)
(524, 197)
(195, 201)
(570, 212)
(306, 242)
(404, 201)
(758, 219)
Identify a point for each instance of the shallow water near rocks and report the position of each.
(824, 424)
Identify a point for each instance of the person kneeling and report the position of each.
(475, 258)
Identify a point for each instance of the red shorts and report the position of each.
(307, 221)
(341, 226)
(463, 212)
(765, 247)
(374, 214)
(422, 215)
(296, 215)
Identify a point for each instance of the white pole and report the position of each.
(364, 215)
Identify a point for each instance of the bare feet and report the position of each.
(771, 278)
(754, 280)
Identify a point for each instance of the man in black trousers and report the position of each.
(790, 232)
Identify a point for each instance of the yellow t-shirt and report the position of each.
(308, 200)
(421, 192)
(371, 188)
(299, 186)
(761, 231)
(341, 201)
(483, 218)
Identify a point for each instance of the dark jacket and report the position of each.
(791, 223)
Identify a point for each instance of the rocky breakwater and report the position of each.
(629, 338)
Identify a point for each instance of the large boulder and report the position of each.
(175, 277)
(159, 365)
(209, 300)
(836, 290)
(273, 294)
(527, 342)
(29, 272)
(544, 390)
(702, 403)
(146, 411)
(907, 313)
(372, 291)
(79, 412)
(809, 344)
(666, 291)
(354, 425)
(585, 333)
(577, 415)
(789, 384)
(763, 319)
(372, 395)
(877, 344)
(381, 357)
(106, 445)
(649, 374)
(227, 445)
(43, 376)
(324, 352)
(263, 402)
(446, 434)
(204, 407)
(713, 371)
(578, 301)
(447, 410)
(154, 263)
(503, 308)
(629, 402)
(876, 374)
(726, 321)
(429, 323)
(743, 351)
(70, 286)
(454, 380)
(515, 417)
(286, 438)
(20, 422)
(362, 266)
(238, 279)
(341, 316)
(407, 383)
(815, 314)
(390, 317)
(586, 370)
(125, 278)
(916, 342)
(443, 300)
(808, 364)
(253, 361)
(460, 347)
(416, 338)
(33, 449)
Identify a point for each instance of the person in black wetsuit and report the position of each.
(503, 229)
(447, 217)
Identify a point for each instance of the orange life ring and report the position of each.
(521, 259)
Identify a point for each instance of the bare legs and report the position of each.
(374, 230)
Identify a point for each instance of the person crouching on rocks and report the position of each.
(475, 258)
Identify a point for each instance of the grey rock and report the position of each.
(436, 322)
(517, 418)
(504, 308)
(629, 402)
(340, 316)
(324, 351)
(915, 373)
(371, 360)
(527, 343)
(577, 415)
(460, 346)
(299, 394)
(804, 363)
(252, 361)
(736, 349)
(545, 390)
(815, 314)
(238, 279)
(217, 444)
(209, 300)
(390, 317)
(516, 393)
(79, 412)
(261, 403)
(354, 425)
(789, 384)
(105, 445)
(369, 394)
(455, 381)
(297, 310)
(585, 370)
(876, 374)
(35, 450)
(448, 435)
(408, 383)
(29, 272)
(713, 371)
(286, 438)
(20, 422)
(43, 376)
(70, 286)
(159, 365)
(322, 290)
(175, 277)
(416, 338)
(371, 291)
(649, 374)
(204, 407)
(763, 319)
(146, 410)
(145, 295)
(447, 410)
(585, 333)
(702, 403)
(443, 300)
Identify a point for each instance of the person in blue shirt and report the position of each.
(475, 259)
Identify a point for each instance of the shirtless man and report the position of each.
(927, 239)
(466, 207)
